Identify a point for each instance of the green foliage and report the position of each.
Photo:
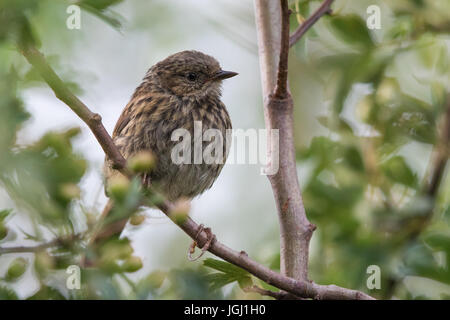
(364, 189)
(43, 177)
(191, 284)
(115, 256)
(422, 261)
(398, 171)
(3, 229)
(14, 114)
(47, 293)
(228, 273)
(127, 196)
(150, 284)
(7, 294)
(15, 24)
(47, 173)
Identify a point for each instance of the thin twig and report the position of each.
(50, 244)
(325, 8)
(36, 248)
(62, 92)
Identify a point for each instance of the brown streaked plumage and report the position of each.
(183, 88)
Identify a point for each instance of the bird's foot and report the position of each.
(210, 239)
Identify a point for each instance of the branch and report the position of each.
(20, 249)
(93, 120)
(53, 243)
(305, 26)
(295, 229)
(301, 288)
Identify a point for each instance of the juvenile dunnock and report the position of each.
(183, 88)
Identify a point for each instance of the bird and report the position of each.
(176, 93)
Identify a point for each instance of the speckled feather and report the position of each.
(167, 100)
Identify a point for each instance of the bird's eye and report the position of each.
(191, 76)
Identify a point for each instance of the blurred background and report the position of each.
(368, 104)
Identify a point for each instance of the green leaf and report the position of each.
(191, 284)
(115, 249)
(45, 174)
(438, 241)
(150, 283)
(351, 67)
(399, 117)
(229, 273)
(366, 67)
(335, 196)
(16, 269)
(132, 264)
(225, 267)
(128, 202)
(4, 213)
(352, 29)
(398, 171)
(321, 149)
(7, 294)
(433, 271)
(335, 124)
(353, 158)
(101, 284)
(47, 293)
(420, 262)
(13, 111)
(218, 280)
(245, 282)
(402, 27)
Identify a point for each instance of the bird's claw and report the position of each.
(210, 239)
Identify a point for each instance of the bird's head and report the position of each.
(190, 73)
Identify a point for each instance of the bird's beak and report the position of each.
(222, 74)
